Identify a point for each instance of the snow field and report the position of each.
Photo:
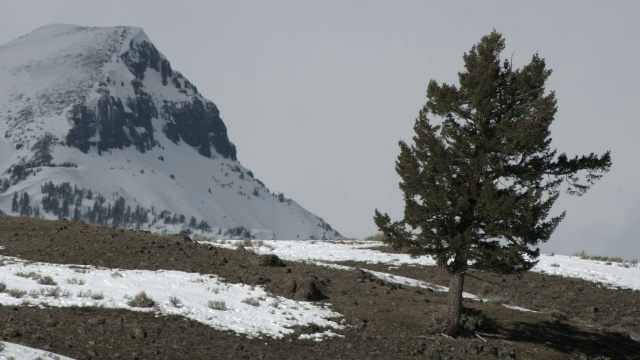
(327, 251)
(204, 298)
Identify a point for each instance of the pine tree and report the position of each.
(479, 186)
(25, 204)
(14, 203)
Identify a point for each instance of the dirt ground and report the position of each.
(575, 319)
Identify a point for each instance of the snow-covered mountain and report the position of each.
(98, 126)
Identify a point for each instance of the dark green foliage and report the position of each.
(479, 186)
(23, 169)
(118, 212)
(21, 204)
(203, 226)
(15, 206)
(84, 127)
(239, 232)
(42, 150)
(20, 171)
(4, 184)
(64, 201)
(25, 205)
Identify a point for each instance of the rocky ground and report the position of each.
(575, 320)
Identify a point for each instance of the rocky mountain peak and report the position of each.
(103, 111)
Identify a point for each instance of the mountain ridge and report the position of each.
(97, 122)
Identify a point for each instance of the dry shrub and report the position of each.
(175, 301)
(376, 237)
(141, 300)
(217, 305)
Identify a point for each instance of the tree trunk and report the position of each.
(454, 303)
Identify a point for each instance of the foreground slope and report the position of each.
(98, 126)
(382, 318)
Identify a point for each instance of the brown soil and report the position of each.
(577, 319)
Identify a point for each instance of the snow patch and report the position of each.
(204, 298)
(16, 351)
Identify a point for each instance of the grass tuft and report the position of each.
(175, 301)
(251, 301)
(54, 292)
(617, 259)
(75, 281)
(217, 305)
(46, 280)
(30, 275)
(91, 294)
(376, 237)
(17, 293)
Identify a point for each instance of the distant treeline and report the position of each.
(67, 201)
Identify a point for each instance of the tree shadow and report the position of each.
(569, 339)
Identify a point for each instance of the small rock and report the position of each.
(52, 323)
(271, 260)
(11, 333)
(97, 321)
(309, 289)
(291, 288)
(138, 333)
(263, 280)
(361, 324)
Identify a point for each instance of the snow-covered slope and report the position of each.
(97, 125)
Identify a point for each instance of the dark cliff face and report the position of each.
(116, 127)
(198, 124)
(196, 121)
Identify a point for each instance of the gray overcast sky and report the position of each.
(316, 94)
